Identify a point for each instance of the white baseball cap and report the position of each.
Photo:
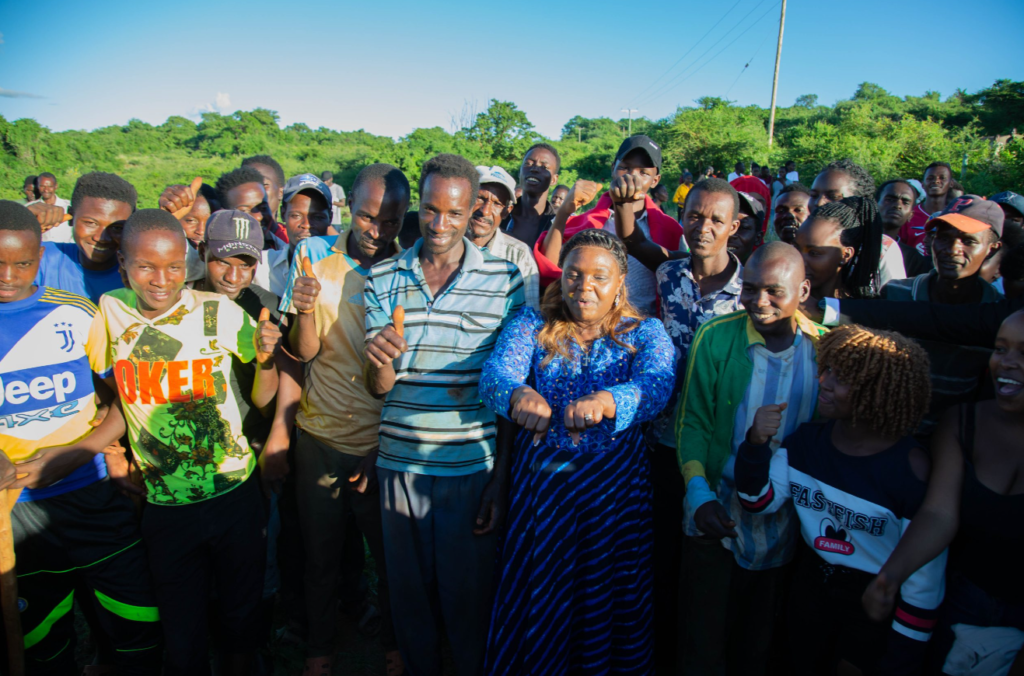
(499, 176)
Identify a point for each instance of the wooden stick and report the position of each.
(9, 587)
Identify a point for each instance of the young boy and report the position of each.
(738, 363)
(171, 351)
(70, 523)
(87, 266)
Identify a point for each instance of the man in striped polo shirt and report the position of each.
(442, 465)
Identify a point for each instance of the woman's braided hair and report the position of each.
(559, 325)
(861, 228)
(887, 374)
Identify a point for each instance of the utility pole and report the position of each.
(775, 80)
(630, 111)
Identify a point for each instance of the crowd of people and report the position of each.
(769, 434)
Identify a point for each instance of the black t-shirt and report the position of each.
(255, 426)
(508, 226)
(913, 262)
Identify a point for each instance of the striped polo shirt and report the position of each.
(433, 421)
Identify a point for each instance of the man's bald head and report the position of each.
(778, 253)
(774, 286)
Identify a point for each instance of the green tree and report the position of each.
(504, 130)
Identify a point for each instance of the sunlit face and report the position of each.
(591, 280)
(229, 276)
(307, 214)
(446, 205)
(772, 292)
(271, 186)
(47, 188)
(638, 163)
(154, 261)
(1007, 364)
(937, 181)
(558, 197)
(97, 226)
(493, 204)
(830, 186)
(20, 252)
(896, 205)
(194, 222)
(248, 197)
(377, 217)
(958, 254)
(708, 221)
(820, 244)
(539, 171)
(791, 210)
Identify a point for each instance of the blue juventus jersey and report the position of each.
(47, 396)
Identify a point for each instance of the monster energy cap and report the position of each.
(234, 233)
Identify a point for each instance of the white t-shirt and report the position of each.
(338, 193)
(733, 176)
(792, 177)
(890, 266)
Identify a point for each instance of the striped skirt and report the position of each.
(575, 580)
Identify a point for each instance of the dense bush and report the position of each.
(891, 136)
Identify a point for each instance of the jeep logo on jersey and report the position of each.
(241, 228)
(40, 389)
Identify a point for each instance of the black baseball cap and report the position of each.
(1010, 199)
(644, 143)
(231, 232)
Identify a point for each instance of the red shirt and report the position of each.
(912, 231)
(753, 184)
(665, 231)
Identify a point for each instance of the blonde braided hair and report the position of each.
(888, 375)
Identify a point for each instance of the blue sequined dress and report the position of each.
(575, 580)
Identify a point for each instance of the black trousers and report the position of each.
(827, 622)
(87, 540)
(218, 544)
(668, 548)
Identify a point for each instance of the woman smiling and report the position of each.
(579, 378)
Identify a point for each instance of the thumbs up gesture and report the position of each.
(389, 344)
(766, 425)
(178, 199)
(306, 288)
(267, 338)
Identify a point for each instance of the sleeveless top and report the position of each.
(989, 544)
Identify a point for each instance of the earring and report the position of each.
(618, 298)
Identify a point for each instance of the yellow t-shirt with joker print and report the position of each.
(173, 378)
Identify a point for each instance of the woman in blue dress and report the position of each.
(579, 378)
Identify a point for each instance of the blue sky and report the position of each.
(389, 66)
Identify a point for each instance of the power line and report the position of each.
(747, 64)
(676, 82)
(676, 78)
(692, 47)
